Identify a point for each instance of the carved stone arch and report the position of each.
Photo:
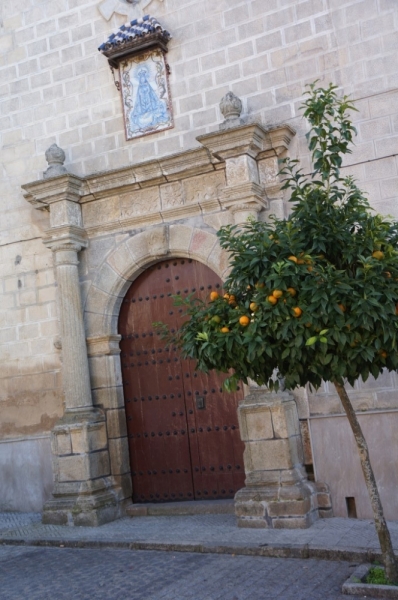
(135, 254)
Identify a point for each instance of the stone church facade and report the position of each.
(72, 241)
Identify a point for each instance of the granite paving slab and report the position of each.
(346, 539)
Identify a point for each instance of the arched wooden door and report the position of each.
(182, 427)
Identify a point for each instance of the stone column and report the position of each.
(277, 493)
(83, 487)
(76, 377)
(84, 491)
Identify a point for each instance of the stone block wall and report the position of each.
(56, 87)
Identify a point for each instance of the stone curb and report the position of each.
(352, 588)
(302, 551)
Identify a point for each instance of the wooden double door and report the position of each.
(182, 427)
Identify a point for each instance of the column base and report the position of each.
(90, 511)
(278, 494)
(84, 491)
(295, 506)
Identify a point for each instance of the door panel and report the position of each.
(178, 450)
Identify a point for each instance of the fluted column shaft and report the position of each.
(76, 377)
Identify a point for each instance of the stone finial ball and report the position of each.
(231, 106)
(55, 155)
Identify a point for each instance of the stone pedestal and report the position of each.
(277, 493)
(83, 491)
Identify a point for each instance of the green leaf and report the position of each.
(311, 341)
(202, 336)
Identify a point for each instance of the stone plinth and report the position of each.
(83, 492)
(277, 493)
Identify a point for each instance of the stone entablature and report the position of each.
(236, 170)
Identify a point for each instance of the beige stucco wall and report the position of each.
(56, 87)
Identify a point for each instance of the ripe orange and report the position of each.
(383, 353)
(292, 291)
(387, 274)
(214, 296)
(396, 309)
(259, 286)
(224, 329)
(378, 254)
(293, 259)
(309, 269)
(272, 299)
(277, 293)
(244, 321)
(300, 261)
(253, 306)
(297, 311)
(342, 307)
(226, 296)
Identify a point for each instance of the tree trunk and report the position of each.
(389, 561)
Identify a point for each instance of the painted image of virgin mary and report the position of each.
(148, 109)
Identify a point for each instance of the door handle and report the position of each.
(200, 402)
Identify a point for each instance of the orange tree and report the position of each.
(312, 296)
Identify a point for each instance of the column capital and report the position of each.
(67, 238)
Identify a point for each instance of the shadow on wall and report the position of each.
(337, 462)
(25, 474)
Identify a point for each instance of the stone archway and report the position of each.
(101, 312)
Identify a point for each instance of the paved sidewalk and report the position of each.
(333, 539)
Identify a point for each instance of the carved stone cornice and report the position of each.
(277, 141)
(41, 194)
(149, 173)
(245, 139)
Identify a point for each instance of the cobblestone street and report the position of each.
(112, 574)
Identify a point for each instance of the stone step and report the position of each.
(193, 507)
